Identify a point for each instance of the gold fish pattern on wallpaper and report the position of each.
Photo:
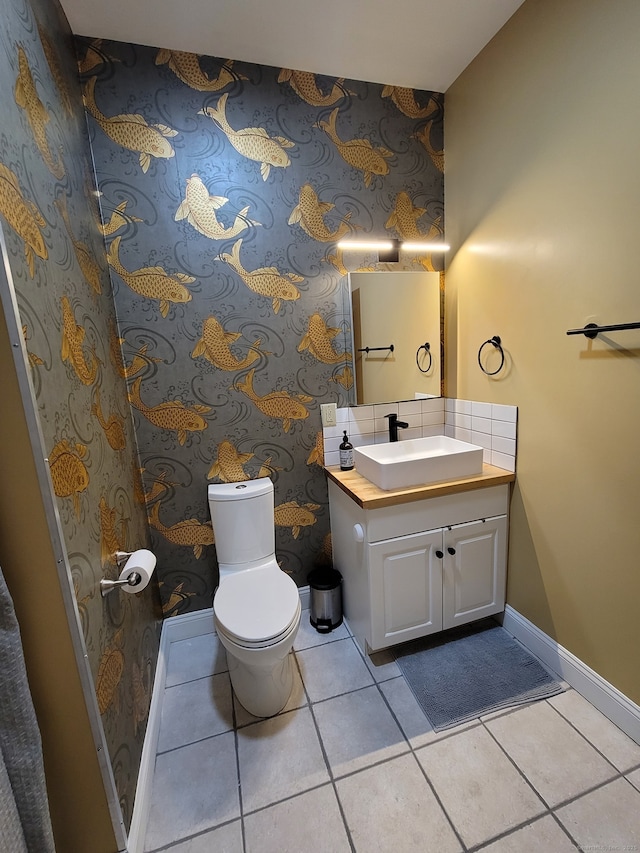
(23, 216)
(117, 219)
(139, 361)
(316, 457)
(27, 98)
(111, 540)
(437, 157)
(190, 532)
(110, 673)
(317, 340)
(199, 209)
(359, 153)
(171, 415)
(228, 466)
(305, 86)
(309, 213)
(296, 516)
(265, 281)
(93, 57)
(176, 598)
(34, 360)
(186, 67)
(405, 101)
(131, 131)
(113, 426)
(72, 346)
(404, 218)
(151, 282)
(159, 488)
(85, 256)
(141, 691)
(344, 377)
(254, 143)
(280, 405)
(214, 346)
(69, 474)
(51, 55)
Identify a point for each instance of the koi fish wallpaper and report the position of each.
(184, 309)
(56, 254)
(224, 188)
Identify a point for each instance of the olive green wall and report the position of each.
(542, 189)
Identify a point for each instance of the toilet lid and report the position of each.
(256, 605)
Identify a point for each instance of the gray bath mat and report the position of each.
(464, 674)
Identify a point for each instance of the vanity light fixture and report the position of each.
(389, 250)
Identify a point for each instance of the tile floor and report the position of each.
(351, 763)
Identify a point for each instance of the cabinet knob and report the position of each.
(452, 551)
(439, 555)
(358, 533)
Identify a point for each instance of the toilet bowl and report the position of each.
(256, 605)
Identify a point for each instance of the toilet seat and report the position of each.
(257, 607)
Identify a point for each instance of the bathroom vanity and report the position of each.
(419, 560)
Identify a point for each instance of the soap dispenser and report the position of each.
(346, 454)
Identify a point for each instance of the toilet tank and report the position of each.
(243, 520)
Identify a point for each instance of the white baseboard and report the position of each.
(602, 695)
(142, 802)
(174, 629)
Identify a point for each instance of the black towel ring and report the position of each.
(427, 348)
(497, 343)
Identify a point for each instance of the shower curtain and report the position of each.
(25, 825)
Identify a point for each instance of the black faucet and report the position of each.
(394, 426)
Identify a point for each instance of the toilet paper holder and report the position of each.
(107, 586)
(131, 580)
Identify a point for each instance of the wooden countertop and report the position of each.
(369, 496)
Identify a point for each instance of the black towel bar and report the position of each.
(591, 329)
(376, 349)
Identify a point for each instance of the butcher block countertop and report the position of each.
(369, 496)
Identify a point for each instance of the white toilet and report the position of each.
(256, 606)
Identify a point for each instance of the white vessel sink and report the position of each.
(417, 461)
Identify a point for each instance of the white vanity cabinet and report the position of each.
(422, 566)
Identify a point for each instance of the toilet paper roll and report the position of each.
(142, 563)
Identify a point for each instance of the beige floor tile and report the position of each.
(278, 758)
(479, 788)
(414, 724)
(332, 669)
(605, 819)
(194, 788)
(195, 710)
(390, 808)
(613, 743)
(357, 730)
(382, 665)
(194, 658)
(310, 821)
(556, 760)
(224, 839)
(634, 778)
(542, 836)
(307, 635)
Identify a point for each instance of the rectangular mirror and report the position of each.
(400, 310)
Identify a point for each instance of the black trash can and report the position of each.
(326, 599)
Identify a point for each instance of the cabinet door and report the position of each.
(406, 588)
(474, 572)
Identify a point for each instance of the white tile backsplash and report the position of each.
(504, 413)
(481, 410)
(479, 424)
(492, 426)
